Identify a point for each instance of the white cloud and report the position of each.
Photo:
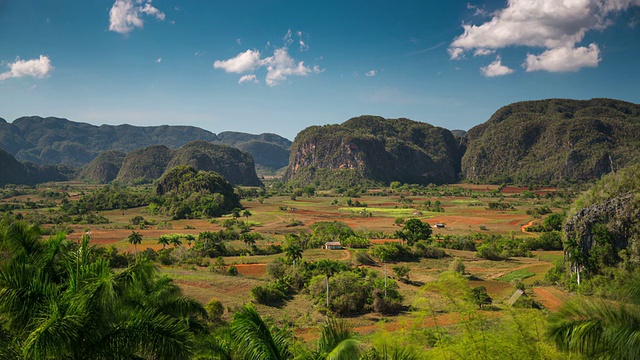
(152, 11)
(126, 15)
(36, 68)
(564, 59)
(281, 65)
(159, 60)
(248, 78)
(278, 67)
(243, 62)
(496, 69)
(556, 25)
(371, 73)
(483, 52)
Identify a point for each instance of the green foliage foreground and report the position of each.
(61, 300)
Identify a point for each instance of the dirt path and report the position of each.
(524, 227)
(346, 257)
(547, 298)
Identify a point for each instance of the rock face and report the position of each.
(379, 149)
(554, 140)
(604, 221)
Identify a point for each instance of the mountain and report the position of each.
(13, 171)
(145, 165)
(550, 141)
(104, 168)
(235, 165)
(60, 141)
(378, 149)
(270, 151)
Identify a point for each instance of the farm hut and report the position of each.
(332, 245)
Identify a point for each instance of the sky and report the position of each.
(280, 66)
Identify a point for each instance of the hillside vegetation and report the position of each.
(550, 141)
(54, 140)
(378, 149)
(603, 228)
(104, 168)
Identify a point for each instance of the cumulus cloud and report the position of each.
(496, 69)
(36, 68)
(483, 52)
(278, 67)
(281, 65)
(371, 73)
(556, 25)
(248, 78)
(564, 59)
(244, 62)
(126, 15)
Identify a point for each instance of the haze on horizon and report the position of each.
(256, 66)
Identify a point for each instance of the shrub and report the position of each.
(271, 293)
(457, 266)
(214, 309)
(424, 250)
(232, 270)
(362, 257)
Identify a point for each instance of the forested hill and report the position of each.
(377, 149)
(553, 140)
(60, 141)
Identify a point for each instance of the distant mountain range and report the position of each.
(532, 142)
(60, 141)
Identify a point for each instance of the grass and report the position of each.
(388, 211)
(517, 274)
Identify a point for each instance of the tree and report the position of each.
(61, 300)
(414, 230)
(135, 238)
(175, 241)
(401, 272)
(164, 240)
(600, 329)
(235, 212)
(246, 214)
(478, 295)
(328, 268)
(255, 340)
(293, 252)
(336, 342)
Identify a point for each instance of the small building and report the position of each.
(332, 245)
(439, 225)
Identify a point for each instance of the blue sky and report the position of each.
(280, 66)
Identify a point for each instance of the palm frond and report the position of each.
(255, 340)
(597, 329)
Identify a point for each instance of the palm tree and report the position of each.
(597, 329)
(255, 340)
(246, 214)
(337, 342)
(328, 267)
(135, 238)
(164, 240)
(175, 241)
(600, 329)
(293, 252)
(60, 300)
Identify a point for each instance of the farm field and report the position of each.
(275, 217)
